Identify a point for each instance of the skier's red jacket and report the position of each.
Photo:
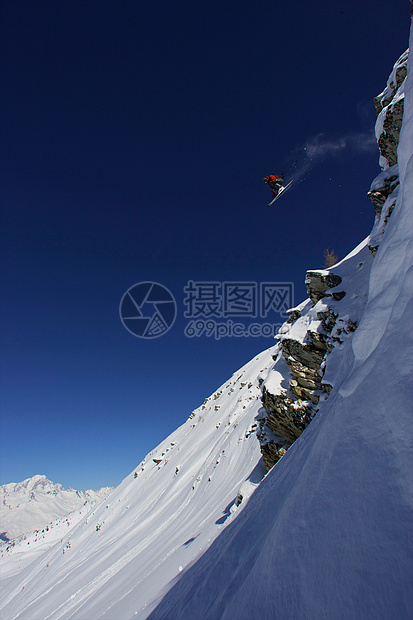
(274, 178)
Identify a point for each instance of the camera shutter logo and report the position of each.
(148, 310)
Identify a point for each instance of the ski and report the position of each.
(282, 190)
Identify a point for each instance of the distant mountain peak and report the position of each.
(36, 501)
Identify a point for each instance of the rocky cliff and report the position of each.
(294, 388)
(297, 383)
(384, 189)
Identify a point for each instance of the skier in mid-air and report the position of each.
(275, 183)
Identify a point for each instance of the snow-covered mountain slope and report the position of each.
(27, 547)
(114, 561)
(33, 503)
(329, 531)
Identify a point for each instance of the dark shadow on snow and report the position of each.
(188, 542)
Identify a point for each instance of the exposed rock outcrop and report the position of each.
(285, 420)
(389, 139)
(393, 84)
(382, 187)
(304, 361)
(318, 282)
(389, 108)
(304, 341)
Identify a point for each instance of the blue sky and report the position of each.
(135, 139)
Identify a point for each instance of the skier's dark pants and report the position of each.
(275, 188)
